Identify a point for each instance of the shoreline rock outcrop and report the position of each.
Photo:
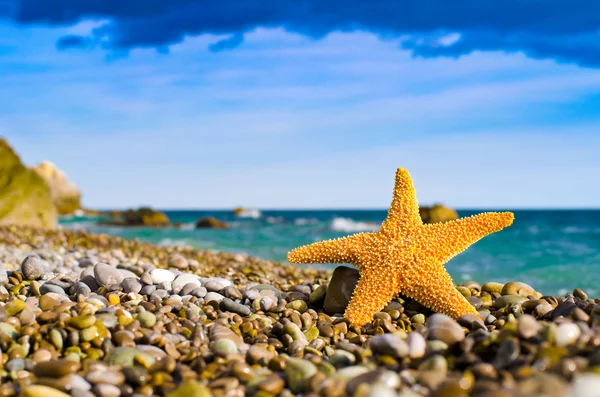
(65, 195)
(25, 197)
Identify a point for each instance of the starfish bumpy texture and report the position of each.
(405, 257)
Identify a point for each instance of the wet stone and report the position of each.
(107, 275)
(445, 329)
(340, 289)
(390, 344)
(33, 267)
(229, 305)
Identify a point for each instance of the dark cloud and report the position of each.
(556, 29)
(73, 41)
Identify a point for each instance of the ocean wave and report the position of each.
(176, 243)
(187, 226)
(349, 225)
(579, 230)
(274, 219)
(305, 221)
(249, 213)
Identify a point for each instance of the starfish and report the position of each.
(405, 256)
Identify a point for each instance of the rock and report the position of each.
(432, 371)
(147, 319)
(107, 274)
(586, 385)
(33, 268)
(390, 344)
(65, 195)
(224, 347)
(211, 223)
(416, 345)
(178, 261)
(492, 287)
(14, 307)
(55, 368)
(528, 327)
(191, 390)
(298, 372)
(140, 217)
(567, 334)
(25, 198)
(3, 273)
(317, 295)
(444, 328)
(161, 275)
(127, 356)
(214, 296)
(437, 213)
(229, 305)
(508, 300)
(41, 391)
(340, 289)
(517, 288)
(131, 284)
(185, 279)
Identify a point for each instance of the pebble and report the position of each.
(416, 345)
(161, 275)
(213, 296)
(444, 328)
(340, 289)
(390, 344)
(297, 373)
(107, 275)
(229, 305)
(528, 326)
(147, 319)
(33, 268)
(567, 334)
(178, 261)
(131, 284)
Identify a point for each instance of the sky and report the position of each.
(307, 104)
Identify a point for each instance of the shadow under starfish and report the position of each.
(405, 257)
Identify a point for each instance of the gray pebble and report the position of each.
(213, 286)
(214, 296)
(107, 275)
(33, 268)
(148, 289)
(444, 328)
(234, 307)
(389, 344)
(131, 284)
(199, 292)
(47, 288)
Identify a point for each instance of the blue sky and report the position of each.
(271, 107)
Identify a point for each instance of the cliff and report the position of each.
(25, 198)
(65, 195)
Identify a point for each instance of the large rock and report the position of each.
(65, 195)
(340, 289)
(25, 198)
(437, 213)
(141, 217)
(211, 223)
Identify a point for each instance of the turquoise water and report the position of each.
(554, 251)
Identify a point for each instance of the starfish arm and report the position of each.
(451, 238)
(404, 210)
(341, 250)
(438, 293)
(373, 291)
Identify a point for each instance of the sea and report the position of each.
(553, 251)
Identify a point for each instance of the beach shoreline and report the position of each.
(85, 314)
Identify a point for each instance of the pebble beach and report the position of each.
(85, 314)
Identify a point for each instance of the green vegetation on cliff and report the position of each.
(25, 197)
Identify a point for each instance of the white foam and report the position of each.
(349, 225)
(171, 242)
(305, 221)
(249, 213)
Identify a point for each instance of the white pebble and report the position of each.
(567, 333)
(161, 275)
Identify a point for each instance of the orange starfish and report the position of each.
(405, 256)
